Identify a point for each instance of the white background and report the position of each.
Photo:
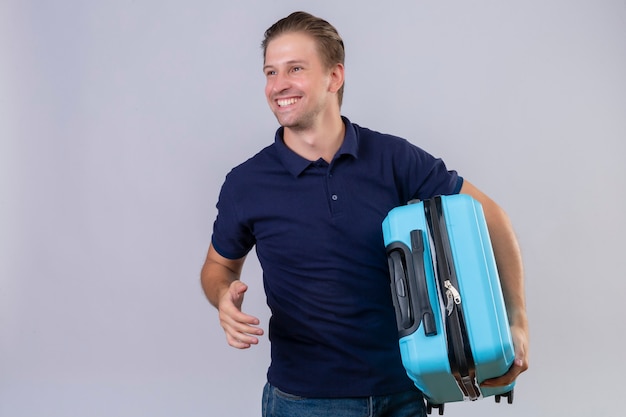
(119, 120)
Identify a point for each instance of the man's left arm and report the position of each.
(509, 261)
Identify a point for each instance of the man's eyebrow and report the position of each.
(291, 62)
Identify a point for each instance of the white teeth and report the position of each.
(286, 102)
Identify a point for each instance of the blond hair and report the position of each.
(329, 43)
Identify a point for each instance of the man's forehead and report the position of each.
(292, 46)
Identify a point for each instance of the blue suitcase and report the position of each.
(452, 321)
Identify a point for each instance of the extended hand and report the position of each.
(241, 329)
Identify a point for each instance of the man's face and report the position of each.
(297, 82)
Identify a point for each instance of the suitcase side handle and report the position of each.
(409, 287)
(419, 279)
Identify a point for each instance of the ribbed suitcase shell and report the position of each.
(426, 358)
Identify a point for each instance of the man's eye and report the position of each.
(268, 73)
(296, 69)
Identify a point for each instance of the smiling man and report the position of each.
(302, 91)
(312, 204)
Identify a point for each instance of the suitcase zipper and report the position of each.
(453, 296)
(459, 351)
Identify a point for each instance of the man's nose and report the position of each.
(280, 82)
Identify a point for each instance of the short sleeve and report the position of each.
(232, 238)
(426, 176)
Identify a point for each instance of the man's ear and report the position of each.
(336, 78)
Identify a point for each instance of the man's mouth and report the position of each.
(286, 101)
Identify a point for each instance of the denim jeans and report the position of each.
(277, 403)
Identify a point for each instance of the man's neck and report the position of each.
(322, 140)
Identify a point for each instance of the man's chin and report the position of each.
(290, 124)
(299, 124)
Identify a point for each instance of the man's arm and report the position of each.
(510, 269)
(221, 285)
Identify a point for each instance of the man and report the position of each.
(312, 203)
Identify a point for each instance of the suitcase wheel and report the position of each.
(430, 406)
(508, 395)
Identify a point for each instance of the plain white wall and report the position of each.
(120, 119)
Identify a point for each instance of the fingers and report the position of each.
(241, 329)
(508, 378)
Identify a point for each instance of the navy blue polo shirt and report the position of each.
(318, 236)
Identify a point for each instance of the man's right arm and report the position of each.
(222, 287)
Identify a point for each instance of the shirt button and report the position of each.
(334, 197)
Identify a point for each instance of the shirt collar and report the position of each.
(296, 164)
